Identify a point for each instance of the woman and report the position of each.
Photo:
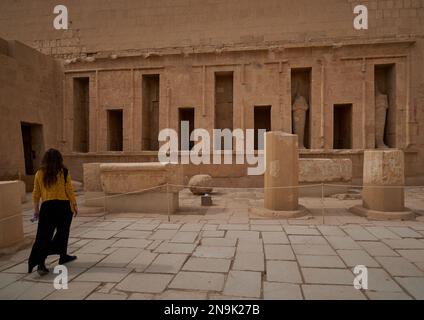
(53, 184)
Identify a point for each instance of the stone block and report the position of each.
(91, 174)
(11, 229)
(141, 187)
(137, 177)
(316, 170)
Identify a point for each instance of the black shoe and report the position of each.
(42, 270)
(66, 259)
(30, 267)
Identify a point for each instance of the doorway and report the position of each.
(115, 130)
(33, 144)
(186, 114)
(262, 119)
(342, 126)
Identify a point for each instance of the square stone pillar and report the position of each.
(383, 191)
(11, 230)
(281, 193)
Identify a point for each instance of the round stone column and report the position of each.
(383, 186)
(281, 178)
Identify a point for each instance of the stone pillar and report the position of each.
(11, 230)
(383, 191)
(281, 175)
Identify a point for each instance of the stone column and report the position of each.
(11, 230)
(281, 176)
(383, 191)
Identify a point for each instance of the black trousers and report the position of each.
(54, 215)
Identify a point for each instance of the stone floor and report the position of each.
(225, 252)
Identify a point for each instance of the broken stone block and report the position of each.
(200, 184)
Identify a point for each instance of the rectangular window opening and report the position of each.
(342, 124)
(115, 130)
(150, 112)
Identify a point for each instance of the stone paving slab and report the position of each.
(412, 255)
(167, 263)
(301, 230)
(399, 266)
(219, 242)
(275, 238)
(378, 249)
(414, 285)
(249, 261)
(313, 240)
(405, 232)
(281, 291)
(283, 271)
(145, 283)
(328, 276)
(181, 295)
(132, 243)
(103, 274)
(331, 292)
(320, 261)
(214, 252)
(353, 258)
(279, 252)
(119, 258)
(185, 237)
(207, 265)
(198, 281)
(76, 291)
(306, 249)
(243, 284)
(213, 233)
(342, 242)
(166, 247)
(382, 233)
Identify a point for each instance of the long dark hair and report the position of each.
(51, 165)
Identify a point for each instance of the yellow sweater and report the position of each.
(58, 191)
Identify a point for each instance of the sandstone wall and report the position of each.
(186, 42)
(118, 25)
(30, 92)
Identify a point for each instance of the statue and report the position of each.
(300, 106)
(381, 106)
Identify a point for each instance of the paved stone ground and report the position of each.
(225, 252)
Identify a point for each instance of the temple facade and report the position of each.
(129, 71)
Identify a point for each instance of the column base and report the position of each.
(300, 212)
(407, 214)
